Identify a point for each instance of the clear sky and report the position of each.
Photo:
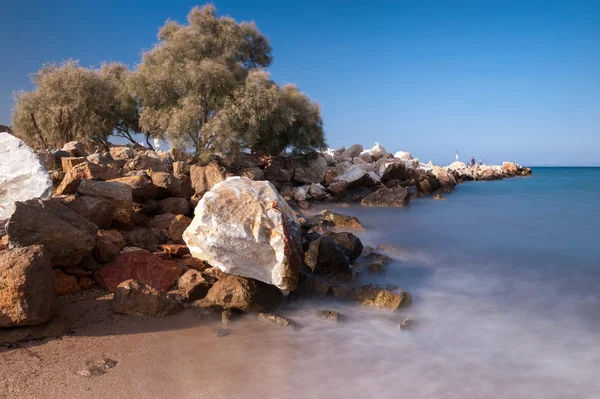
(516, 80)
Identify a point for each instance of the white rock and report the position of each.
(377, 152)
(22, 175)
(246, 228)
(301, 193)
(403, 155)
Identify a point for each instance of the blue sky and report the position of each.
(516, 80)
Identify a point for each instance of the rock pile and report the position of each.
(157, 230)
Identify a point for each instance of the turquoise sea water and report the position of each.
(505, 277)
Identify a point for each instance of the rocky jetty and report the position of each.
(160, 232)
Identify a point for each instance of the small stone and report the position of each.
(278, 320)
(405, 324)
(97, 367)
(438, 197)
(223, 332)
(331, 315)
(226, 315)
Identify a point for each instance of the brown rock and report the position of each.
(311, 171)
(177, 226)
(83, 171)
(326, 259)
(108, 245)
(174, 205)
(85, 283)
(67, 236)
(141, 237)
(89, 264)
(161, 222)
(277, 171)
(375, 296)
(96, 210)
(192, 285)
(244, 294)
(27, 294)
(181, 168)
(121, 153)
(194, 263)
(340, 220)
(119, 194)
(151, 161)
(387, 197)
(3, 243)
(204, 178)
(142, 187)
(175, 249)
(68, 163)
(254, 173)
(141, 266)
(65, 284)
(75, 148)
(172, 186)
(135, 298)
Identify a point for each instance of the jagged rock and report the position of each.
(347, 242)
(352, 152)
(254, 173)
(27, 295)
(340, 220)
(169, 185)
(378, 152)
(142, 187)
(101, 158)
(359, 160)
(174, 205)
(141, 266)
(388, 197)
(392, 170)
(96, 210)
(177, 227)
(405, 156)
(193, 285)
(22, 176)
(67, 236)
(424, 187)
(277, 320)
(244, 294)
(373, 295)
(119, 194)
(196, 264)
(204, 178)
(65, 284)
(141, 237)
(317, 192)
(121, 153)
(68, 163)
(373, 263)
(301, 193)
(161, 222)
(47, 159)
(330, 176)
(338, 187)
(151, 161)
(438, 197)
(109, 244)
(312, 171)
(510, 168)
(245, 227)
(175, 249)
(85, 170)
(277, 171)
(331, 315)
(75, 148)
(326, 259)
(446, 179)
(357, 177)
(135, 298)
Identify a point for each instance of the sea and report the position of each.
(505, 280)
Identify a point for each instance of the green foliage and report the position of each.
(202, 87)
(71, 102)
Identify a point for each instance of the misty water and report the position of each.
(505, 279)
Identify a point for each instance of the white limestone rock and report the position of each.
(245, 227)
(403, 155)
(22, 175)
(377, 152)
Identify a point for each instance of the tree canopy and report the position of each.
(203, 86)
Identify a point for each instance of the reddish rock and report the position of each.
(85, 283)
(177, 226)
(244, 294)
(193, 285)
(204, 178)
(142, 187)
(164, 255)
(135, 298)
(108, 245)
(175, 249)
(65, 284)
(78, 173)
(141, 266)
(27, 295)
(68, 163)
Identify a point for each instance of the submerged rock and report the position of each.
(340, 220)
(331, 315)
(278, 320)
(22, 176)
(245, 227)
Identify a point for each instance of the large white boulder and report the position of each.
(403, 155)
(22, 175)
(377, 152)
(245, 227)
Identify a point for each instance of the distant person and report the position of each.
(472, 161)
(480, 161)
(456, 156)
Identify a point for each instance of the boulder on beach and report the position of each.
(204, 178)
(388, 197)
(86, 170)
(245, 227)
(243, 294)
(22, 176)
(119, 194)
(27, 295)
(66, 235)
